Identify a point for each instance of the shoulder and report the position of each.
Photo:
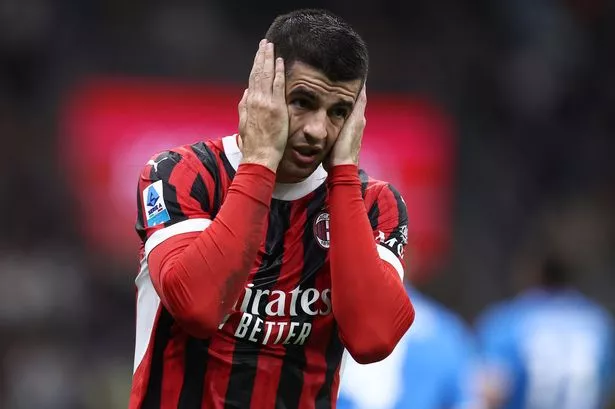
(194, 158)
(370, 185)
(380, 191)
(495, 315)
(601, 315)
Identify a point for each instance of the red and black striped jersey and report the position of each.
(279, 347)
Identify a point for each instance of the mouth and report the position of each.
(305, 155)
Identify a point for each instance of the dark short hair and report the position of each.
(322, 40)
(555, 273)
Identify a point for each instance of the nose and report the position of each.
(315, 126)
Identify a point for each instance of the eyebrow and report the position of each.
(308, 93)
(304, 92)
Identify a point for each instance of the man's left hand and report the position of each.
(348, 144)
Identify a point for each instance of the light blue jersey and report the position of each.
(550, 350)
(431, 367)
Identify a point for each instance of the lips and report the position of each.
(307, 150)
(305, 155)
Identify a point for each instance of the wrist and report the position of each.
(270, 159)
(347, 174)
(340, 162)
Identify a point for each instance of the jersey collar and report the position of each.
(282, 191)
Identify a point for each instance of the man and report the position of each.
(548, 348)
(258, 267)
(432, 367)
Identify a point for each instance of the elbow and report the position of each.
(380, 344)
(195, 316)
(194, 323)
(372, 351)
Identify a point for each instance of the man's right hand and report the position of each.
(263, 114)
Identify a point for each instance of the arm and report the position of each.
(199, 275)
(370, 303)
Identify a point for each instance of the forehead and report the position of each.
(306, 76)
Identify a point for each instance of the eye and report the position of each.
(301, 103)
(340, 113)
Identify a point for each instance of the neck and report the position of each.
(280, 176)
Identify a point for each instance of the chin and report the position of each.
(289, 172)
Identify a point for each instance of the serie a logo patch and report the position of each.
(155, 209)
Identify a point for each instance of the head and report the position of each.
(326, 65)
(554, 273)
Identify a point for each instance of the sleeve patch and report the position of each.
(155, 209)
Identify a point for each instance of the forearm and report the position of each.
(369, 300)
(200, 278)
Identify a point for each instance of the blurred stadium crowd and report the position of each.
(529, 85)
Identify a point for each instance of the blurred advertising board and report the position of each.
(109, 127)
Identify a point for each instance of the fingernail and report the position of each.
(263, 42)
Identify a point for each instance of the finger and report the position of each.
(244, 98)
(257, 66)
(279, 90)
(358, 111)
(363, 94)
(268, 68)
(243, 111)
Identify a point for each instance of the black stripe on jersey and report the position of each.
(374, 214)
(402, 220)
(314, 256)
(402, 213)
(245, 355)
(140, 225)
(333, 357)
(364, 180)
(230, 171)
(195, 365)
(153, 393)
(208, 159)
(163, 171)
(198, 191)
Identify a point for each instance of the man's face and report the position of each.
(317, 109)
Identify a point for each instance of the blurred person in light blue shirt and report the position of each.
(550, 347)
(431, 367)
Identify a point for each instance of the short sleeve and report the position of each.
(389, 219)
(172, 198)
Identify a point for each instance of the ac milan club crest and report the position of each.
(321, 230)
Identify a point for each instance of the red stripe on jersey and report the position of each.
(270, 359)
(173, 368)
(182, 179)
(315, 354)
(218, 372)
(388, 219)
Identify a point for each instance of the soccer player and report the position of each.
(432, 367)
(268, 253)
(548, 348)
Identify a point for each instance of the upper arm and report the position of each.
(388, 217)
(173, 197)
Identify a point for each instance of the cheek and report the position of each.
(333, 132)
(294, 121)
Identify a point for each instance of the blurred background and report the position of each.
(495, 120)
